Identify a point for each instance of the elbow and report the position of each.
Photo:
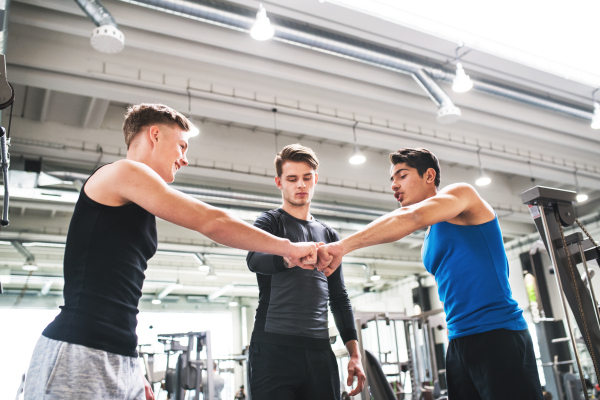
(249, 262)
(213, 225)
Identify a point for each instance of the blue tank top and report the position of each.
(471, 270)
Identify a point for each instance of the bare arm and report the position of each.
(446, 205)
(135, 182)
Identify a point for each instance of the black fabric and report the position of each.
(293, 302)
(292, 373)
(105, 258)
(495, 365)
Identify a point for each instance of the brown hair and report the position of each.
(420, 159)
(146, 114)
(296, 153)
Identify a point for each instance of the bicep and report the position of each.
(145, 188)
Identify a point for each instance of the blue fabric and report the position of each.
(471, 270)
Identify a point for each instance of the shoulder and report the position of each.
(123, 171)
(269, 217)
(114, 184)
(476, 209)
(332, 233)
(460, 190)
(128, 167)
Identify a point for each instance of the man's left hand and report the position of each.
(330, 257)
(148, 389)
(355, 368)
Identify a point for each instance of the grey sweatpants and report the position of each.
(61, 371)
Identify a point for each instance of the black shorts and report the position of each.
(292, 373)
(494, 365)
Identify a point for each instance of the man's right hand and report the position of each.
(302, 254)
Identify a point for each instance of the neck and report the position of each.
(300, 212)
(136, 153)
(432, 192)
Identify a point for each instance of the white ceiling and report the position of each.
(547, 36)
(71, 101)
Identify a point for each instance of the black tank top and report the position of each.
(105, 258)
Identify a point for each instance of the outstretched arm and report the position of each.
(447, 204)
(136, 182)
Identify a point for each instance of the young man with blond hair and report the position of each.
(89, 350)
(490, 356)
(290, 353)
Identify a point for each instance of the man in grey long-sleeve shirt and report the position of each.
(290, 354)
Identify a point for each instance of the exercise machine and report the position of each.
(187, 375)
(417, 333)
(552, 210)
(188, 372)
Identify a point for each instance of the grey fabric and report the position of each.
(61, 371)
(293, 301)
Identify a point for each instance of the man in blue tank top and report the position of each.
(490, 356)
(89, 350)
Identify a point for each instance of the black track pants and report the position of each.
(495, 365)
(292, 373)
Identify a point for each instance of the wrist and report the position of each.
(346, 246)
(287, 244)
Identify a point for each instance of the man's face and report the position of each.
(169, 153)
(409, 188)
(297, 182)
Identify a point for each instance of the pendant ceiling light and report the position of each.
(262, 29)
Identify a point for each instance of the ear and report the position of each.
(278, 182)
(316, 178)
(154, 133)
(430, 175)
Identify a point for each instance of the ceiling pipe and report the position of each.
(250, 200)
(106, 38)
(301, 34)
(97, 13)
(29, 258)
(236, 17)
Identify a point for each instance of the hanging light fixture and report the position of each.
(375, 277)
(30, 265)
(156, 301)
(581, 197)
(483, 179)
(462, 82)
(357, 156)
(233, 303)
(211, 274)
(262, 29)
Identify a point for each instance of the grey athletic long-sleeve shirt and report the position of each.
(292, 307)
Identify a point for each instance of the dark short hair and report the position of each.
(420, 159)
(147, 114)
(296, 153)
